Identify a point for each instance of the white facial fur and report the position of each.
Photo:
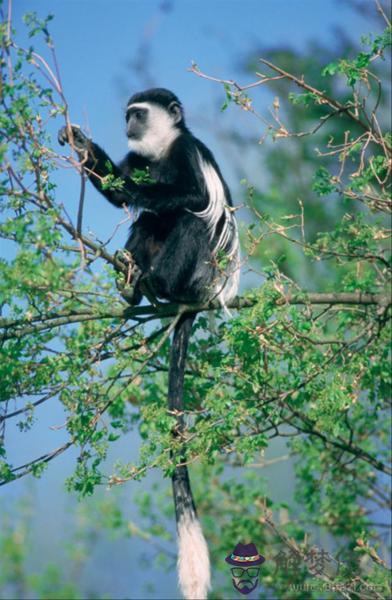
(161, 132)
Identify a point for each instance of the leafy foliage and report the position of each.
(308, 369)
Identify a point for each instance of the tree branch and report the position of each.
(330, 101)
(17, 329)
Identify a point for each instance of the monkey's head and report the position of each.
(154, 119)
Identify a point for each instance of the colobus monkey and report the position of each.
(185, 245)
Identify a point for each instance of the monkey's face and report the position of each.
(137, 121)
(151, 128)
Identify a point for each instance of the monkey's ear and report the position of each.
(175, 111)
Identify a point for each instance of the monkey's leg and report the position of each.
(183, 271)
(145, 241)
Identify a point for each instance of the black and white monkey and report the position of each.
(185, 228)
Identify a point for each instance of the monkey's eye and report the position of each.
(135, 113)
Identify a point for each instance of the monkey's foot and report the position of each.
(128, 277)
(130, 292)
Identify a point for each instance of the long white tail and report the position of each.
(193, 558)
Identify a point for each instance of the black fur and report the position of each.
(182, 493)
(170, 245)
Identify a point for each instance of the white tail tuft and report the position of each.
(193, 559)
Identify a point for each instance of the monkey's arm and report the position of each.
(115, 182)
(184, 187)
(164, 197)
(103, 173)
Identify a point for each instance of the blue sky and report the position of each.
(96, 42)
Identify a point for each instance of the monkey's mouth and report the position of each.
(133, 135)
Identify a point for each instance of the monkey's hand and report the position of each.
(74, 136)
